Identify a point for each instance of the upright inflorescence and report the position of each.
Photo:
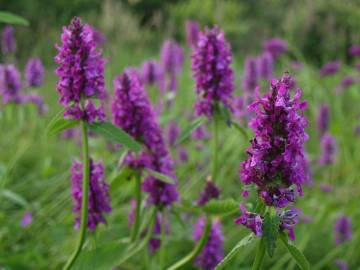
(172, 59)
(10, 84)
(328, 150)
(275, 46)
(8, 41)
(99, 200)
(132, 112)
(330, 68)
(34, 72)
(323, 119)
(153, 73)
(192, 33)
(343, 229)
(265, 66)
(211, 62)
(81, 72)
(250, 77)
(211, 191)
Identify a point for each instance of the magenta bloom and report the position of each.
(354, 50)
(275, 46)
(98, 37)
(250, 220)
(265, 66)
(172, 59)
(343, 229)
(288, 220)
(8, 42)
(132, 112)
(153, 73)
(213, 251)
(26, 219)
(277, 161)
(239, 107)
(34, 72)
(323, 119)
(250, 76)
(328, 150)
(99, 200)
(81, 72)
(211, 62)
(330, 68)
(10, 84)
(192, 33)
(211, 191)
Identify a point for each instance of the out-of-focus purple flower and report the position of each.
(10, 84)
(346, 82)
(132, 112)
(296, 65)
(153, 73)
(38, 101)
(192, 33)
(183, 154)
(330, 68)
(213, 251)
(99, 199)
(277, 161)
(8, 42)
(341, 264)
(323, 119)
(250, 76)
(70, 133)
(306, 218)
(34, 72)
(342, 229)
(265, 66)
(200, 133)
(26, 220)
(328, 150)
(173, 132)
(275, 46)
(81, 72)
(172, 59)
(357, 130)
(288, 220)
(239, 107)
(98, 37)
(211, 191)
(354, 50)
(212, 72)
(250, 220)
(155, 242)
(325, 187)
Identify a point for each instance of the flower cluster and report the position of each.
(99, 200)
(343, 229)
(213, 251)
(153, 73)
(354, 50)
(276, 159)
(192, 33)
(328, 150)
(211, 191)
(275, 47)
(34, 72)
(323, 119)
(345, 83)
(265, 65)
(211, 62)
(10, 84)
(8, 42)
(250, 76)
(132, 112)
(81, 72)
(330, 68)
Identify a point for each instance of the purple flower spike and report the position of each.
(265, 65)
(288, 220)
(341, 264)
(346, 82)
(330, 68)
(250, 220)
(213, 251)
(277, 161)
(26, 219)
(250, 76)
(81, 71)
(153, 73)
(132, 112)
(34, 72)
(10, 84)
(343, 229)
(8, 42)
(275, 46)
(328, 150)
(354, 50)
(212, 72)
(211, 191)
(192, 33)
(323, 119)
(99, 200)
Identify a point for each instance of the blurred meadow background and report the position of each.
(36, 220)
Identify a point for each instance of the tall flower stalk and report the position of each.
(81, 73)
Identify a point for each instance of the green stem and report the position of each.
(85, 195)
(162, 247)
(215, 142)
(259, 255)
(196, 251)
(136, 226)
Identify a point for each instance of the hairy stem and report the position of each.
(136, 226)
(85, 195)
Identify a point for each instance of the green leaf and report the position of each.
(271, 232)
(298, 256)
(125, 174)
(217, 207)
(115, 134)
(60, 125)
(14, 197)
(161, 177)
(189, 129)
(10, 18)
(240, 129)
(242, 243)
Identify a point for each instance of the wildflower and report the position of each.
(265, 65)
(250, 76)
(250, 220)
(211, 62)
(8, 42)
(173, 133)
(10, 84)
(26, 219)
(211, 191)
(323, 119)
(99, 200)
(34, 72)
(354, 50)
(328, 150)
(81, 72)
(275, 47)
(288, 220)
(192, 33)
(213, 251)
(343, 229)
(346, 82)
(341, 264)
(276, 159)
(153, 73)
(330, 68)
